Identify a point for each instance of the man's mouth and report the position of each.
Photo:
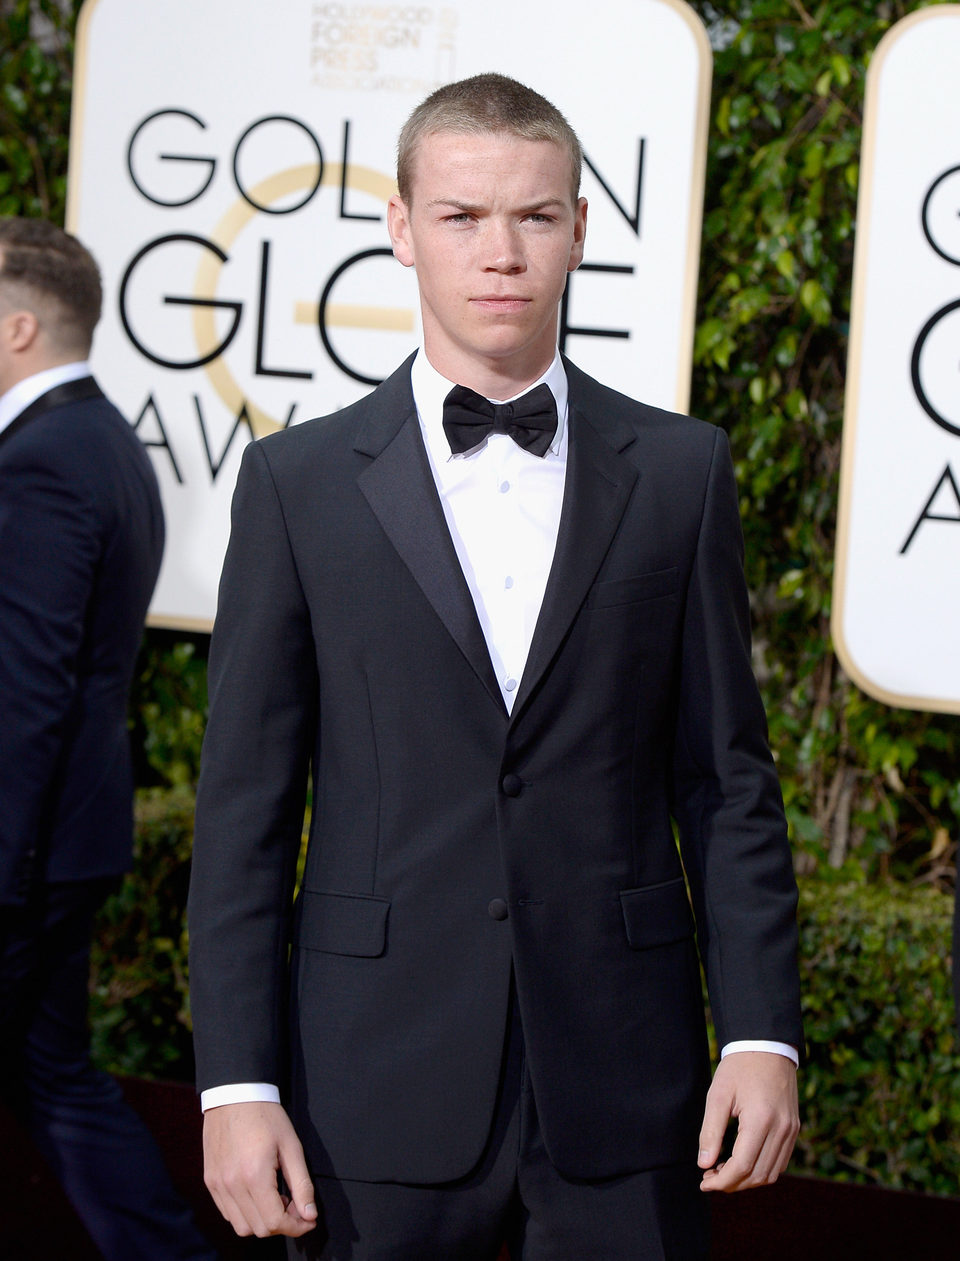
(502, 301)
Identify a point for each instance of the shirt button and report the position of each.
(512, 785)
(504, 487)
(510, 685)
(498, 909)
(508, 582)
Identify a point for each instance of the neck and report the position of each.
(9, 380)
(26, 366)
(492, 379)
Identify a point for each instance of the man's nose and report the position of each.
(503, 250)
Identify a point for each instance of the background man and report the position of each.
(509, 656)
(81, 534)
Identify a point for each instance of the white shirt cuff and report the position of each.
(239, 1092)
(777, 1048)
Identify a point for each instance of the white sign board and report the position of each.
(230, 166)
(896, 609)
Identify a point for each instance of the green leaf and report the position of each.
(815, 301)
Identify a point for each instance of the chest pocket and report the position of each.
(652, 586)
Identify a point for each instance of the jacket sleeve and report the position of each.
(727, 798)
(50, 547)
(251, 794)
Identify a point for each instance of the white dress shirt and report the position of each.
(19, 397)
(502, 507)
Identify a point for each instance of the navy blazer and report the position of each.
(81, 536)
(453, 845)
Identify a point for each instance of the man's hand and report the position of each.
(759, 1088)
(244, 1145)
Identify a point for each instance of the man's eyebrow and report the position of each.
(455, 203)
(545, 203)
(473, 207)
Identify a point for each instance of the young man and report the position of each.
(509, 657)
(81, 535)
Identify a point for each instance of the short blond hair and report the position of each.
(483, 105)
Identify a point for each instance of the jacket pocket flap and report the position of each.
(343, 923)
(650, 586)
(657, 915)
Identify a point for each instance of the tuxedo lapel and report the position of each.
(598, 485)
(69, 392)
(399, 487)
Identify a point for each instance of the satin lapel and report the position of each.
(598, 484)
(399, 487)
(59, 396)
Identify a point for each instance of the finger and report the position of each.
(785, 1149)
(297, 1177)
(253, 1199)
(248, 1186)
(737, 1170)
(219, 1183)
(716, 1115)
(710, 1175)
(293, 1225)
(229, 1211)
(276, 1215)
(779, 1135)
(759, 1156)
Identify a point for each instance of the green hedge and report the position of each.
(880, 1094)
(138, 987)
(881, 1089)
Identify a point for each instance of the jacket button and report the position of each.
(512, 785)
(497, 909)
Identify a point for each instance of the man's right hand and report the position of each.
(244, 1146)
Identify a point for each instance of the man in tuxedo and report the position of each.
(81, 534)
(499, 611)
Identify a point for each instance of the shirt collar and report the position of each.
(430, 389)
(19, 397)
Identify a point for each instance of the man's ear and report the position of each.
(398, 225)
(19, 330)
(579, 235)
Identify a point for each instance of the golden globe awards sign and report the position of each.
(896, 613)
(231, 162)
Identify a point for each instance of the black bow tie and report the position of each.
(531, 420)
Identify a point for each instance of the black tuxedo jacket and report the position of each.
(450, 843)
(81, 534)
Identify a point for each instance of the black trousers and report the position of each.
(96, 1144)
(514, 1194)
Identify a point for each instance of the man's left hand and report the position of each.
(759, 1088)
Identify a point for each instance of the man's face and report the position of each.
(492, 230)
